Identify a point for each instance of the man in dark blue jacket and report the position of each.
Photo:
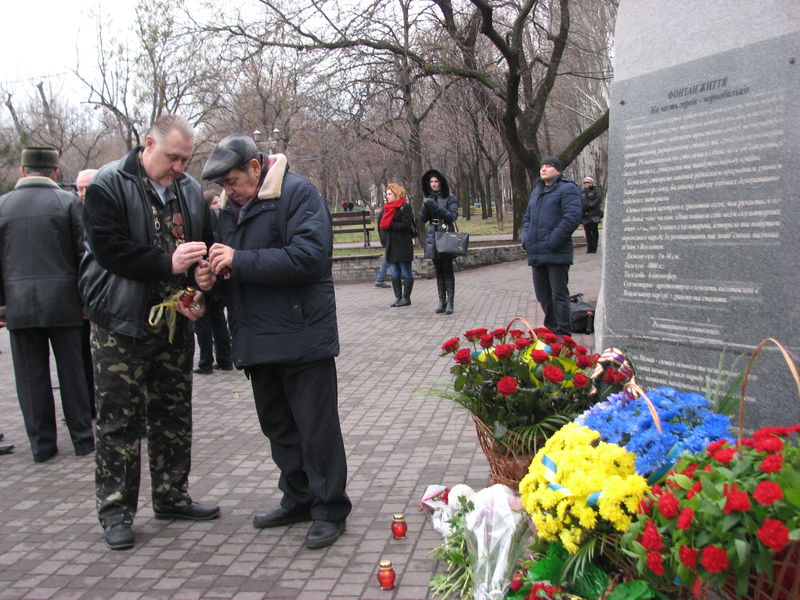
(273, 254)
(553, 214)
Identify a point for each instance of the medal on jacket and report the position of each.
(177, 227)
(156, 220)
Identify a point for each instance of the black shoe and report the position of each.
(225, 367)
(382, 284)
(196, 511)
(6, 448)
(280, 516)
(323, 533)
(84, 449)
(203, 370)
(118, 536)
(45, 456)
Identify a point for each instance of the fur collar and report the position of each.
(271, 186)
(35, 181)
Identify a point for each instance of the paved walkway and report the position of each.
(399, 438)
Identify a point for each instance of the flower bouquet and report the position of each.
(522, 387)
(724, 515)
(658, 427)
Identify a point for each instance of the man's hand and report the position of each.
(203, 275)
(221, 258)
(195, 310)
(186, 255)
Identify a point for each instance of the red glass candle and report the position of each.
(399, 526)
(386, 575)
(188, 296)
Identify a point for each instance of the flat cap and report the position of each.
(40, 157)
(553, 162)
(231, 152)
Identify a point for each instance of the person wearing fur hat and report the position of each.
(272, 260)
(41, 242)
(439, 210)
(552, 216)
(592, 199)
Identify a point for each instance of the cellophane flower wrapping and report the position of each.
(497, 530)
(441, 502)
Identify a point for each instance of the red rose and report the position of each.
(651, 538)
(668, 505)
(688, 556)
(689, 471)
(773, 534)
(657, 490)
(769, 444)
(568, 341)
(610, 375)
(555, 349)
(507, 386)
(714, 559)
(714, 446)
(583, 361)
(499, 333)
(450, 345)
(767, 492)
(619, 378)
(548, 337)
(504, 351)
(515, 333)
(696, 489)
(553, 373)
(685, 518)
(644, 506)
(539, 356)
(463, 356)
(735, 499)
(581, 350)
(579, 380)
(771, 463)
(516, 581)
(522, 342)
(486, 340)
(654, 562)
(724, 455)
(474, 334)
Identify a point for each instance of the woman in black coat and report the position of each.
(397, 228)
(440, 211)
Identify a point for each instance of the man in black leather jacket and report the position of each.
(147, 226)
(41, 243)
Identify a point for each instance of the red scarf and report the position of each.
(388, 212)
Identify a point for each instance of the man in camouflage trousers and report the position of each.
(147, 226)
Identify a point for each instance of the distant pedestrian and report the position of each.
(147, 226)
(82, 182)
(440, 211)
(552, 216)
(592, 199)
(41, 243)
(397, 223)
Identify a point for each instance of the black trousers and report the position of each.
(213, 336)
(30, 351)
(550, 283)
(297, 408)
(592, 235)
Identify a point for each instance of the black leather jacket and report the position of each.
(121, 258)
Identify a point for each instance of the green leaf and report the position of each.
(632, 590)
(729, 521)
(683, 481)
(792, 496)
(592, 584)
(742, 551)
(500, 430)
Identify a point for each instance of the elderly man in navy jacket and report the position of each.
(273, 256)
(553, 214)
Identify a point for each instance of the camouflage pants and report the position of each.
(137, 379)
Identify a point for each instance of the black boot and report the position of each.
(442, 295)
(408, 285)
(450, 291)
(398, 291)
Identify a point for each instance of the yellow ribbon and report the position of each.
(167, 309)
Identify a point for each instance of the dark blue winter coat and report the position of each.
(280, 293)
(552, 216)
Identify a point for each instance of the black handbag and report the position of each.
(450, 243)
(581, 315)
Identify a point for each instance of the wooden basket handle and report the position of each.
(792, 368)
(525, 322)
(635, 390)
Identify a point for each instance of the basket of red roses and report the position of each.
(521, 386)
(728, 516)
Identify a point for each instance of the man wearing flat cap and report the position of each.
(41, 244)
(273, 261)
(552, 216)
(147, 227)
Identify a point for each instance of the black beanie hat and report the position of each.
(553, 162)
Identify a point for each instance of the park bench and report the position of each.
(352, 222)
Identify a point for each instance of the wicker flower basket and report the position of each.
(508, 462)
(784, 583)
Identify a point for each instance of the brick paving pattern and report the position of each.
(399, 438)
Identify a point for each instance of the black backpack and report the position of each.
(581, 315)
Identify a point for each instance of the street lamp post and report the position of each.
(273, 140)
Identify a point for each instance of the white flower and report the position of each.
(459, 491)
